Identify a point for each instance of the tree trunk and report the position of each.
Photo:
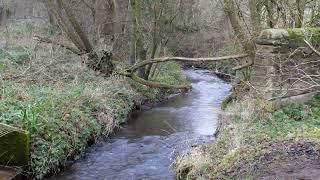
(270, 14)
(69, 24)
(246, 42)
(155, 35)
(254, 17)
(1, 15)
(103, 65)
(139, 51)
(299, 17)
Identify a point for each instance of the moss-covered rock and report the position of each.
(14, 146)
(273, 37)
(292, 37)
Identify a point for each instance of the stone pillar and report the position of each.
(282, 56)
(272, 46)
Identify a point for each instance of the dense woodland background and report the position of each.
(139, 30)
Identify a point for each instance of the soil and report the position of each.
(9, 173)
(290, 160)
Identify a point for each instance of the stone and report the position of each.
(292, 37)
(274, 34)
(14, 146)
(278, 56)
(274, 37)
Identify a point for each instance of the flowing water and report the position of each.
(146, 147)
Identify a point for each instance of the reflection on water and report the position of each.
(147, 145)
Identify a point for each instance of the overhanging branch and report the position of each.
(182, 59)
(130, 71)
(157, 84)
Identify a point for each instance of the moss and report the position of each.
(14, 146)
(297, 35)
(226, 101)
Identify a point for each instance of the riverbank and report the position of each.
(256, 142)
(49, 92)
(146, 146)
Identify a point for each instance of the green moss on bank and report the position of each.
(251, 140)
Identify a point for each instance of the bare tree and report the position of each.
(70, 25)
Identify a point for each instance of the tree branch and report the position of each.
(182, 59)
(130, 72)
(156, 84)
(242, 66)
(49, 41)
(312, 48)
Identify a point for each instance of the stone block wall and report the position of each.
(285, 65)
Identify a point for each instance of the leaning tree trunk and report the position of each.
(69, 24)
(254, 18)
(301, 5)
(245, 41)
(139, 50)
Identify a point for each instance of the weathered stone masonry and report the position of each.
(285, 66)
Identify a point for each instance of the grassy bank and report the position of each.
(256, 142)
(49, 92)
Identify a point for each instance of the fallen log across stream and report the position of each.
(130, 71)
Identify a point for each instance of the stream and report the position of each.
(146, 147)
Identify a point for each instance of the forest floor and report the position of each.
(300, 160)
(50, 92)
(256, 142)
